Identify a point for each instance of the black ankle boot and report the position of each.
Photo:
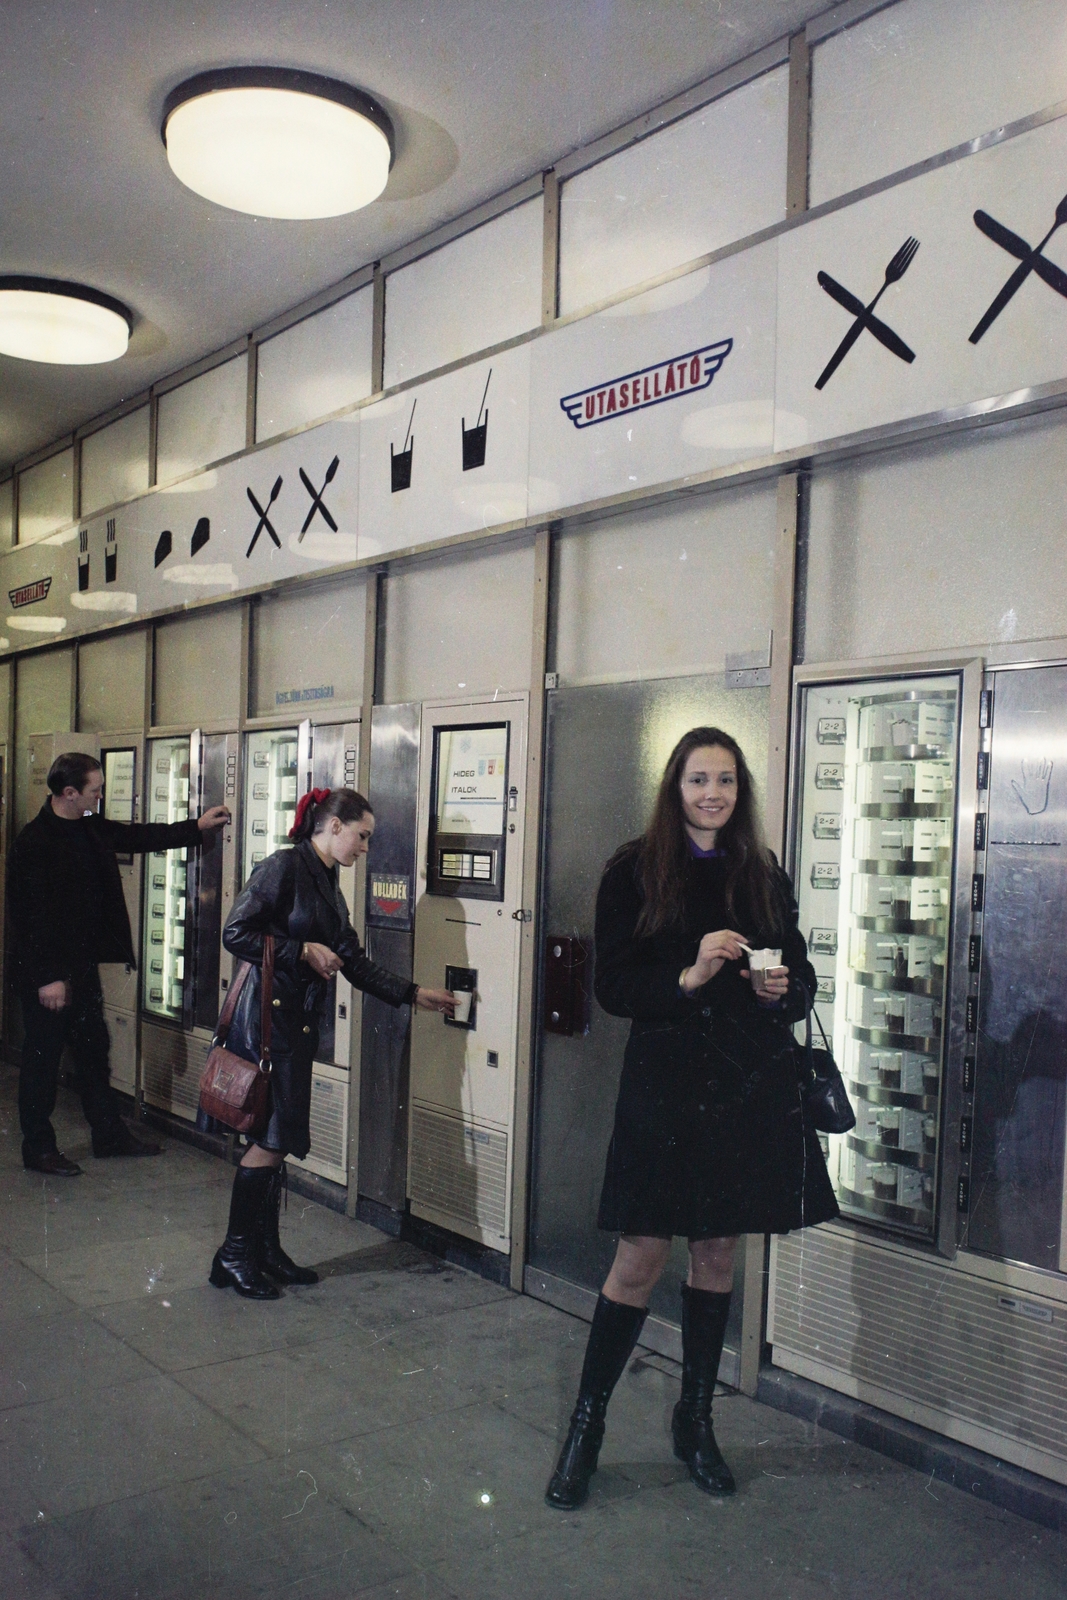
(235, 1260)
(703, 1330)
(611, 1341)
(272, 1258)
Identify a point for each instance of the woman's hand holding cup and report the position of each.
(715, 949)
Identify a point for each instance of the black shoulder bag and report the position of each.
(821, 1085)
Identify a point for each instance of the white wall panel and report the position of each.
(198, 669)
(716, 176)
(46, 497)
(316, 367)
(475, 292)
(308, 640)
(461, 623)
(43, 683)
(925, 75)
(943, 546)
(115, 462)
(111, 683)
(668, 591)
(202, 420)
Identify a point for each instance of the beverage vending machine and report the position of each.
(187, 897)
(281, 764)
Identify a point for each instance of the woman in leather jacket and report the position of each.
(295, 896)
(711, 1139)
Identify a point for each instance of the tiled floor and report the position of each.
(388, 1433)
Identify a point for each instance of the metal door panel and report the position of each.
(386, 1039)
(606, 747)
(1017, 1168)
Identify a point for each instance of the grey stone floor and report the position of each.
(388, 1433)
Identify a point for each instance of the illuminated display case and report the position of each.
(270, 794)
(876, 789)
(166, 882)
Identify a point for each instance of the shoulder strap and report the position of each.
(266, 996)
(237, 983)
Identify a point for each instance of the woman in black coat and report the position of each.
(710, 1138)
(295, 896)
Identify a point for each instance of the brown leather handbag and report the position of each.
(233, 1090)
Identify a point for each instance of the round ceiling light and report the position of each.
(278, 143)
(45, 319)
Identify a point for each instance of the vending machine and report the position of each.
(120, 757)
(877, 776)
(467, 938)
(281, 764)
(188, 895)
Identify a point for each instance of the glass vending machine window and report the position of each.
(874, 857)
(166, 896)
(270, 795)
(120, 777)
(469, 822)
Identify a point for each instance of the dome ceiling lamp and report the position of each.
(275, 142)
(47, 319)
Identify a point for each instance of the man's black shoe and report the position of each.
(124, 1143)
(55, 1163)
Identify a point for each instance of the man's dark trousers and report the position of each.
(80, 1026)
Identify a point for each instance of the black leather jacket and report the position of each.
(296, 898)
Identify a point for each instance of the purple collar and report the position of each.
(701, 855)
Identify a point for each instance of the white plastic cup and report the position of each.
(760, 962)
(463, 998)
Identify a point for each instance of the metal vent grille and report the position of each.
(329, 1124)
(172, 1064)
(925, 1341)
(459, 1169)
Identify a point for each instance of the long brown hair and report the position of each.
(319, 805)
(662, 852)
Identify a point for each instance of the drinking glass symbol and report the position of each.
(83, 560)
(474, 439)
(111, 557)
(400, 460)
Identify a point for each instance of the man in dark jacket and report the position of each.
(69, 914)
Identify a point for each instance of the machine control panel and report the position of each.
(469, 823)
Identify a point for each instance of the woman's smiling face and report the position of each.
(709, 792)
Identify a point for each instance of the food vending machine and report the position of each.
(874, 868)
(467, 938)
(188, 895)
(281, 764)
(120, 757)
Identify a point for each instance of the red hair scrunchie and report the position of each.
(314, 797)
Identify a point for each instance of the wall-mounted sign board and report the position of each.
(945, 291)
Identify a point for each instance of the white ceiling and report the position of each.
(483, 93)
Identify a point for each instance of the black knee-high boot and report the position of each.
(272, 1258)
(235, 1261)
(704, 1317)
(611, 1341)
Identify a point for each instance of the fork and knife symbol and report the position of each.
(1031, 259)
(318, 507)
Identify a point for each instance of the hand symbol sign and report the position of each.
(1033, 794)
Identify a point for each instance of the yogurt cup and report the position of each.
(760, 962)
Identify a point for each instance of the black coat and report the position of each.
(710, 1137)
(66, 918)
(296, 898)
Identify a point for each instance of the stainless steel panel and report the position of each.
(386, 1039)
(1017, 1168)
(383, 1111)
(606, 747)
